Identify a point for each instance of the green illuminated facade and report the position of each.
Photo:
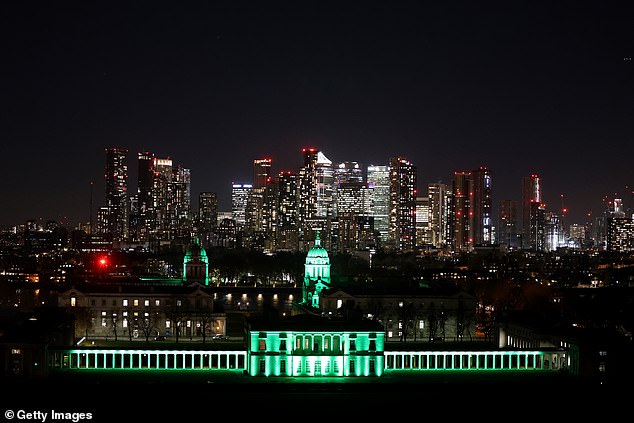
(316, 274)
(196, 264)
(307, 345)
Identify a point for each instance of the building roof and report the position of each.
(310, 323)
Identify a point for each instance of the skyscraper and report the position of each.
(180, 208)
(422, 221)
(144, 216)
(261, 172)
(481, 207)
(440, 214)
(207, 211)
(316, 197)
(378, 178)
(239, 198)
(287, 219)
(162, 190)
(117, 200)
(507, 225)
(163, 210)
(462, 229)
(531, 205)
(402, 204)
(307, 195)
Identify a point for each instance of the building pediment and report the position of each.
(339, 294)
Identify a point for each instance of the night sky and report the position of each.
(519, 87)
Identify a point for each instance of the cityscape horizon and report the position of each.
(95, 191)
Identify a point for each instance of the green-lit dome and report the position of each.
(195, 250)
(317, 251)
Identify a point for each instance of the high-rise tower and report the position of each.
(402, 204)
(117, 200)
(531, 206)
(440, 212)
(481, 207)
(261, 172)
(378, 178)
(507, 224)
(462, 231)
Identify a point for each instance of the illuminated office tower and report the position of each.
(325, 187)
(440, 212)
(378, 178)
(348, 177)
(348, 172)
(307, 205)
(554, 236)
(117, 200)
(532, 208)
(402, 204)
(481, 207)
(207, 212)
(619, 226)
(257, 218)
(422, 221)
(239, 198)
(620, 233)
(145, 204)
(462, 231)
(180, 208)
(155, 177)
(261, 172)
(353, 198)
(162, 186)
(316, 197)
(355, 227)
(287, 220)
(507, 226)
(163, 201)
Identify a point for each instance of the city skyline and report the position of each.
(98, 189)
(520, 89)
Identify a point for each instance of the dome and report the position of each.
(317, 251)
(195, 251)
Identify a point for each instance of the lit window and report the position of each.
(73, 301)
(421, 324)
(104, 322)
(136, 314)
(189, 323)
(103, 313)
(157, 302)
(136, 303)
(168, 324)
(125, 303)
(125, 323)
(147, 303)
(146, 314)
(125, 314)
(178, 303)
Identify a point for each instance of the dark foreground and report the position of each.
(199, 396)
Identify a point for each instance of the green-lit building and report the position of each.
(309, 345)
